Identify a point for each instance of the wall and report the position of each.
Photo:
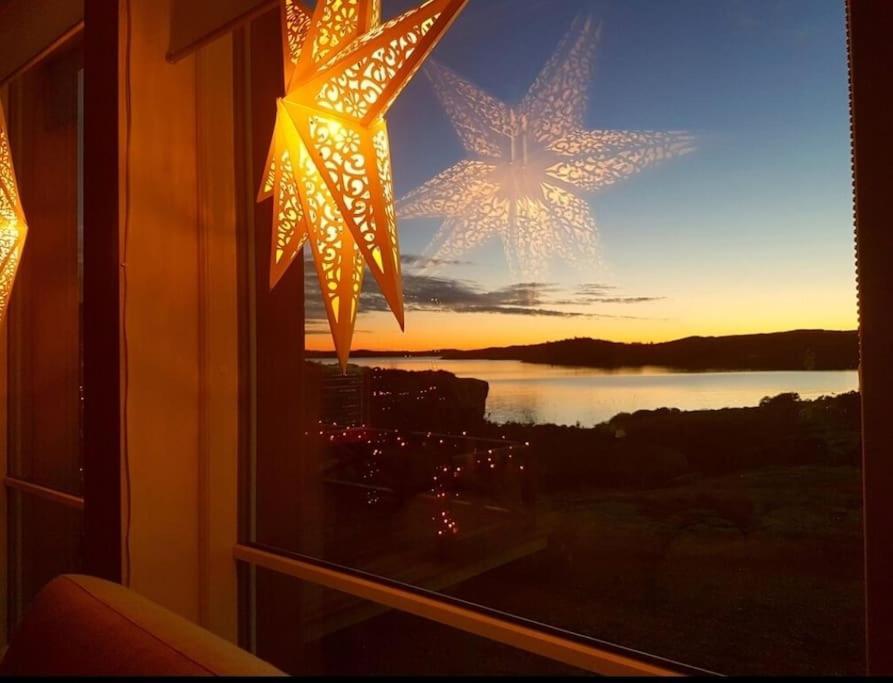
(180, 321)
(28, 27)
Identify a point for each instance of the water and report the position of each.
(525, 392)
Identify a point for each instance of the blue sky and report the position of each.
(752, 232)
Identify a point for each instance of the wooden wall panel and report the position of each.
(161, 311)
(180, 320)
(195, 23)
(29, 27)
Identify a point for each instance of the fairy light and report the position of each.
(448, 479)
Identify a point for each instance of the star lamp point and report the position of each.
(13, 227)
(328, 170)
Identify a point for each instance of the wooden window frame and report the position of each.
(64, 55)
(871, 63)
(102, 317)
(101, 500)
(871, 101)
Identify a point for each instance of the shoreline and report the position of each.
(782, 351)
(604, 370)
(605, 395)
(670, 369)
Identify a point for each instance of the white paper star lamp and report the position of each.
(329, 166)
(13, 228)
(530, 164)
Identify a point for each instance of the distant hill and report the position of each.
(366, 353)
(796, 350)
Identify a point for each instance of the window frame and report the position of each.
(102, 375)
(871, 62)
(20, 488)
(870, 54)
(867, 62)
(100, 498)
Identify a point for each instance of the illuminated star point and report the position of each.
(329, 168)
(13, 227)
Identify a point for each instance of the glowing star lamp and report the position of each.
(13, 227)
(329, 167)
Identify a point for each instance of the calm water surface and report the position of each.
(525, 392)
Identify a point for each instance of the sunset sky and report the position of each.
(752, 232)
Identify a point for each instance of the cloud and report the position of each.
(443, 294)
(319, 327)
(421, 262)
(516, 310)
(436, 293)
(593, 289)
(596, 293)
(627, 299)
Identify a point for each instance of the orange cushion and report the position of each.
(80, 625)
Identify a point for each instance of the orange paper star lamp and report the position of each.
(329, 167)
(13, 227)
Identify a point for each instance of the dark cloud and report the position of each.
(596, 293)
(593, 289)
(443, 294)
(516, 310)
(434, 293)
(421, 262)
(627, 299)
(320, 328)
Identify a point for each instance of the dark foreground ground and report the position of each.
(670, 572)
(729, 540)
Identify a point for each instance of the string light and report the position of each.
(448, 479)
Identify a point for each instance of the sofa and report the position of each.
(81, 625)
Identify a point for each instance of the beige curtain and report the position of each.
(28, 27)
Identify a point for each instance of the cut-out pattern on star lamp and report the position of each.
(529, 164)
(13, 228)
(329, 168)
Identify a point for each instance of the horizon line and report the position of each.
(431, 351)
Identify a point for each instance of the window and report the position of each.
(43, 329)
(698, 500)
(325, 632)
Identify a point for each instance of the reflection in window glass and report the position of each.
(47, 541)
(307, 630)
(626, 401)
(43, 326)
(44, 342)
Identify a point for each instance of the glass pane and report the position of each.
(626, 400)
(307, 630)
(44, 350)
(45, 539)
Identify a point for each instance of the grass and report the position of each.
(753, 573)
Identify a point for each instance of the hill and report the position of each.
(795, 350)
